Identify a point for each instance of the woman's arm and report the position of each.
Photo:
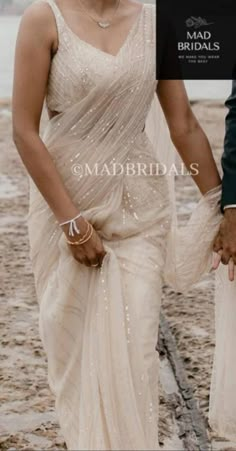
(34, 47)
(35, 43)
(186, 133)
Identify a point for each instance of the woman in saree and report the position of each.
(101, 221)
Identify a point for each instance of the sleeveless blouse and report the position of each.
(78, 66)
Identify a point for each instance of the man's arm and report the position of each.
(229, 156)
(225, 242)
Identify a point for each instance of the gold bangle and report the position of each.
(88, 232)
(88, 238)
(85, 238)
(81, 239)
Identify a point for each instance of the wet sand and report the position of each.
(27, 419)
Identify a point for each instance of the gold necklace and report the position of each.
(102, 23)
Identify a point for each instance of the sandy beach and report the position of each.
(27, 419)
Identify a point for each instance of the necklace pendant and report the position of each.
(104, 24)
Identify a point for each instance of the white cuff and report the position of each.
(229, 206)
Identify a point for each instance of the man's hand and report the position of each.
(225, 243)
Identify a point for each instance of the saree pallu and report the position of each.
(99, 326)
(222, 408)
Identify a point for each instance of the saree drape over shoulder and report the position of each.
(99, 326)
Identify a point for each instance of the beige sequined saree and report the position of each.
(99, 326)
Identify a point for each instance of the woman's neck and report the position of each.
(99, 6)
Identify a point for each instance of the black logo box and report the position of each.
(196, 40)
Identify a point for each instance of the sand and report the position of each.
(27, 418)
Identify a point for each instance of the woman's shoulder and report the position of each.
(38, 8)
(38, 13)
(38, 18)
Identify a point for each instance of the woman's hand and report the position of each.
(92, 252)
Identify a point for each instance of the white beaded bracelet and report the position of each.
(72, 225)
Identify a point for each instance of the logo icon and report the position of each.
(197, 22)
